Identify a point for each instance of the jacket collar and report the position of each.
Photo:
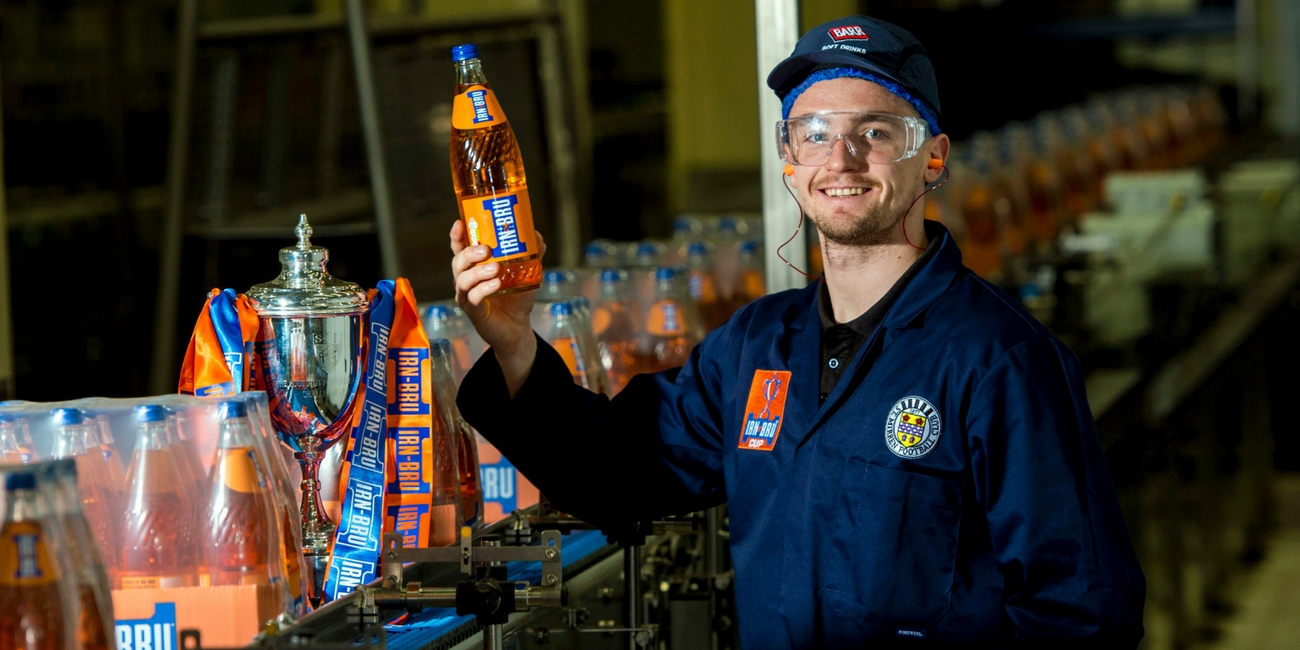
(931, 281)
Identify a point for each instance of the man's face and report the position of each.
(850, 201)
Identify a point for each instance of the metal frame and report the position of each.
(566, 141)
(778, 31)
(6, 311)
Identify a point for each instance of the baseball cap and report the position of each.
(863, 43)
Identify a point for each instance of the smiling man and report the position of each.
(908, 456)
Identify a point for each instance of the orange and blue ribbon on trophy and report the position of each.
(220, 353)
(360, 527)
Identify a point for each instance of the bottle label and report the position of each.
(568, 350)
(476, 108)
(24, 560)
(665, 319)
(239, 471)
(503, 223)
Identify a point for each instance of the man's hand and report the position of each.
(502, 321)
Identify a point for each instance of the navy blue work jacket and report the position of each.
(951, 490)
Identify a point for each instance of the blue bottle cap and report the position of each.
(611, 275)
(727, 224)
(750, 246)
(20, 481)
(232, 409)
(596, 248)
(150, 413)
(464, 53)
(646, 249)
(681, 224)
(697, 248)
(561, 309)
(581, 302)
(7, 417)
(67, 417)
(665, 273)
(437, 312)
(555, 277)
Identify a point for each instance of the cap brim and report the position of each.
(788, 73)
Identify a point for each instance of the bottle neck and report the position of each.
(21, 506)
(234, 433)
(70, 442)
(469, 73)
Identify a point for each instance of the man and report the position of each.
(908, 456)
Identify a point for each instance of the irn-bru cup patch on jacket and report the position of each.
(502, 222)
(476, 108)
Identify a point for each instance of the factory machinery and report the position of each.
(534, 579)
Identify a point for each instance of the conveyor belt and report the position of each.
(435, 629)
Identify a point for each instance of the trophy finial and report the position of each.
(304, 233)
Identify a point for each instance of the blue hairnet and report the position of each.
(787, 102)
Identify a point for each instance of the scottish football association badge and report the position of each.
(913, 427)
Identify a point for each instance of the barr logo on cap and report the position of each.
(849, 33)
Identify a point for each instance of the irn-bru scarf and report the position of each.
(387, 481)
(219, 358)
(388, 470)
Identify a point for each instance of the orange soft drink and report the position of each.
(233, 531)
(99, 500)
(665, 331)
(31, 605)
(487, 171)
(157, 529)
(95, 623)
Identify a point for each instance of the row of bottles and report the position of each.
(54, 594)
(166, 520)
(1012, 192)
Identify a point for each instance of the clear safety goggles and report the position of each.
(875, 138)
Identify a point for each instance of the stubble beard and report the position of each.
(871, 229)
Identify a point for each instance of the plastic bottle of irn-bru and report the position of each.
(32, 606)
(614, 321)
(726, 257)
(445, 515)
(597, 378)
(112, 459)
(666, 334)
(180, 438)
(234, 530)
(487, 171)
(287, 538)
(563, 336)
(446, 321)
(158, 542)
(58, 480)
(26, 447)
(703, 287)
(99, 501)
(751, 281)
(984, 253)
(444, 387)
(9, 452)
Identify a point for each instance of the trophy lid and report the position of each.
(304, 288)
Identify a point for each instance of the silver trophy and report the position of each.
(310, 365)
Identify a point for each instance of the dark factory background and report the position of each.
(629, 114)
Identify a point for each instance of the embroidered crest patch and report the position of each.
(913, 427)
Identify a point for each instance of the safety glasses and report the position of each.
(874, 138)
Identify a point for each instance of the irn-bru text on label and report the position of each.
(503, 223)
(155, 633)
(476, 108)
